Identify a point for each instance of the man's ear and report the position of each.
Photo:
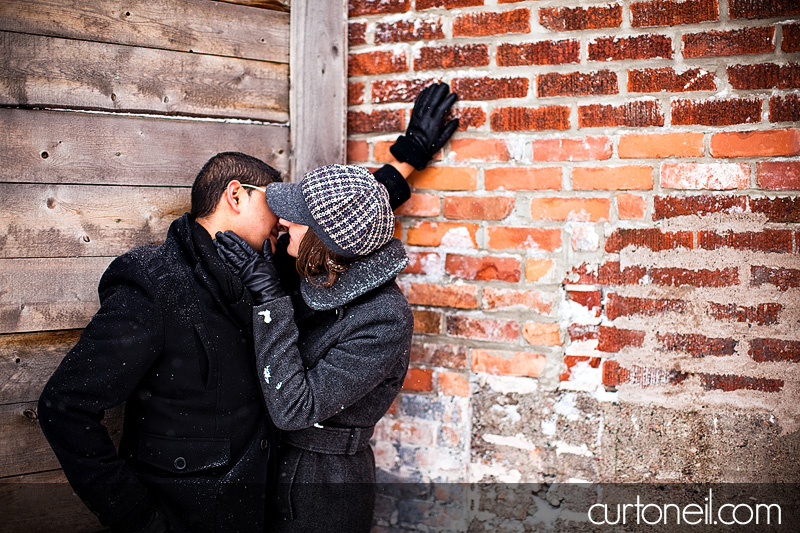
(233, 195)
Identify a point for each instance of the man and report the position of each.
(173, 341)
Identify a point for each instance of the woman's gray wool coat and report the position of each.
(326, 381)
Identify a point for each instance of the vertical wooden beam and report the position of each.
(318, 81)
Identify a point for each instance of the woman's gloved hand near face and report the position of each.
(256, 270)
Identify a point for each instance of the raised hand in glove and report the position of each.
(426, 132)
(256, 270)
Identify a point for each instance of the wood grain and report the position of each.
(280, 5)
(53, 72)
(85, 220)
(68, 147)
(198, 26)
(28, 360)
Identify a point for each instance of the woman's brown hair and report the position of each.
(315, 261)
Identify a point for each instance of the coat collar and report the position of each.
(362, 276)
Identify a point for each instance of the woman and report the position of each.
(330, 376)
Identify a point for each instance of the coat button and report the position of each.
(264, 444)
(180, 463)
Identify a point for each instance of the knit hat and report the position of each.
(342, 204)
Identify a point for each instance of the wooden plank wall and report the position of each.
(108, 110)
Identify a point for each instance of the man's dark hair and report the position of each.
(210, 183)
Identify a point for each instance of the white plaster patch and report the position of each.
(517, 441)
(457, 238)
(510, 384)
(563, 447)
(479, 471)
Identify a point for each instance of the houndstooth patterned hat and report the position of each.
(342, 204)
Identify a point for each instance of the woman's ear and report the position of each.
(233, 194)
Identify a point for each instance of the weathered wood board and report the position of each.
(198, 26)
(64, 147)
(280, 5)
(85, 220)
(53, 72)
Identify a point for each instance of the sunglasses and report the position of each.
(262, 189)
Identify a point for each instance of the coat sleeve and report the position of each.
(113, 354)
(395, 183)
(297, 397)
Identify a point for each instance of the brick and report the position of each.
(486, 88)
(356, 33)
(420, 205)
(522, 178)
(445, 179)
(729, 43)
(680, 277)
(666, 79)
(774, 350)
(673, 13)
(762, 9)
(631, 207)
(728, 383)
(652, 238)
(619, 306)
(355, 93)
(538, 269)
(507, 238)
(791, 38)
(583, 332)
(572, 209)
(713, 176)
(357, 8)
(372, 63)
(485, 23)
(765, 76)
(696, 345)
(379, 121)
(538, 53)
(762, 314)
(453, 384)
(425, 263)
(357, 151)
(384, 91)
(756, 143)
(611, 273)
(469, 117)
(778, 175)
(408, 30)
(450, 234)
(633, 177)
(530, 118)
(450, 57)
(579, 18)
(448, 4)
(716, 112)
(777, 241)
(540, 334)
(637, 47)
(440, 355)
(784, 108)
(591, 300)
(522, 364)
(483, 329)
(581, 149)
(785, 209)
(615, 375)
(478, 207)
(479, 150)
(381, 153)
(678, 206)
(494, 298)
(615, 339)
(783, 278)
(570, 361)
(597, 83)
(418, 380)
(483, 268)
(660, 145)
(458, 296)
(632, 114)
(426, 322)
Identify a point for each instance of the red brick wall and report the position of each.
(609, 242)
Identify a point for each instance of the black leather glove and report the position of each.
(426, 132)
(257, 271)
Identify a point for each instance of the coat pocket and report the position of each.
(180, 456)
(208, 356)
